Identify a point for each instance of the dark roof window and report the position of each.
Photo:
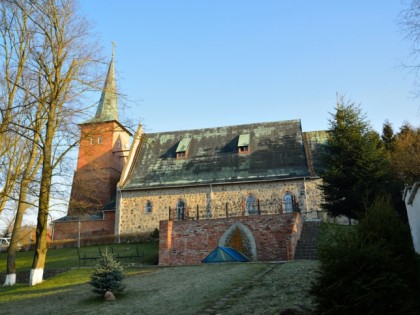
(182, 148)
(243, 143)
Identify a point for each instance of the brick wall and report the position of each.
(188, 242)
(88, 228)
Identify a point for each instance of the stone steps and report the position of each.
(306, 246)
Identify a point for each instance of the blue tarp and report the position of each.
(225, 254)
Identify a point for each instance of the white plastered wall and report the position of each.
(412, 202)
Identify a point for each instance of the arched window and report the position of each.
(148, 207)
(180, 210)
(288, 203)
(251, 205)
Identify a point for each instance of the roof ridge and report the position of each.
(229, 126)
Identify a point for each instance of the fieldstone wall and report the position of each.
(189, 242)
(212, 202)
(312, 199)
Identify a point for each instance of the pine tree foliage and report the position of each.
(356, 163)
(388, 136)
(369, 268)
(108, 275)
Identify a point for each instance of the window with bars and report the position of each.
(180, 210)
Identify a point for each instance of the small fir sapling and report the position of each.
(108, 275)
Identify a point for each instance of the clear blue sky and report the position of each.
(207, 63)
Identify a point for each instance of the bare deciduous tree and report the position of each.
(405, 154)
(58, 66)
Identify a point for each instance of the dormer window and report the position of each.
(243, 143)
(182, 149)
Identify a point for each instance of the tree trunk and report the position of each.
(28, 176)
(38, 263)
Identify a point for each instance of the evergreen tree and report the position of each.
(356, 163)
(369, 268)
(108, 275)
(388, 135)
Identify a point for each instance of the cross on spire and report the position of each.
(113, 49)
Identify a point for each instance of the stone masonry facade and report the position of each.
(213, 202)
(189, 242)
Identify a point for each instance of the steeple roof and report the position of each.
(108, 106)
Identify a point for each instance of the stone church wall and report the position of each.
(189, 242)
(213, 202)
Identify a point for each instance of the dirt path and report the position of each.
(281, 287)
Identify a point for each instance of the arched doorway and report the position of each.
(239, 237)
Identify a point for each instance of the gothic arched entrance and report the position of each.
(239, 237)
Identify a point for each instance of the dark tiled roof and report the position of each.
(315, 148)
(276, 151)
(91, 217)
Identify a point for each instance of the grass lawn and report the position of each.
(59, 260)
(238, 288)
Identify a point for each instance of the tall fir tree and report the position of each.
(356, 163)
(388, 136)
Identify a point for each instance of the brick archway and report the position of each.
(246, 236)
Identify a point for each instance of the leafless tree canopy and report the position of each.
(48, 64)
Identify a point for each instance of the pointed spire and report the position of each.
(108, 105)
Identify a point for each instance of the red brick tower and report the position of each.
(104, 145)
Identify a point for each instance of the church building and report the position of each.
(248, 186)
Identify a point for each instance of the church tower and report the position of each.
(103, 151)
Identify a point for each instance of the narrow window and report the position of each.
(92, 141)
(148, 207)
(244, 149)
(99, 140)
(288, 203)
(251, 205)
(180, 210)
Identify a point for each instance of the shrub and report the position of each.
(108, 275)
(369, 268)
(155, 234)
